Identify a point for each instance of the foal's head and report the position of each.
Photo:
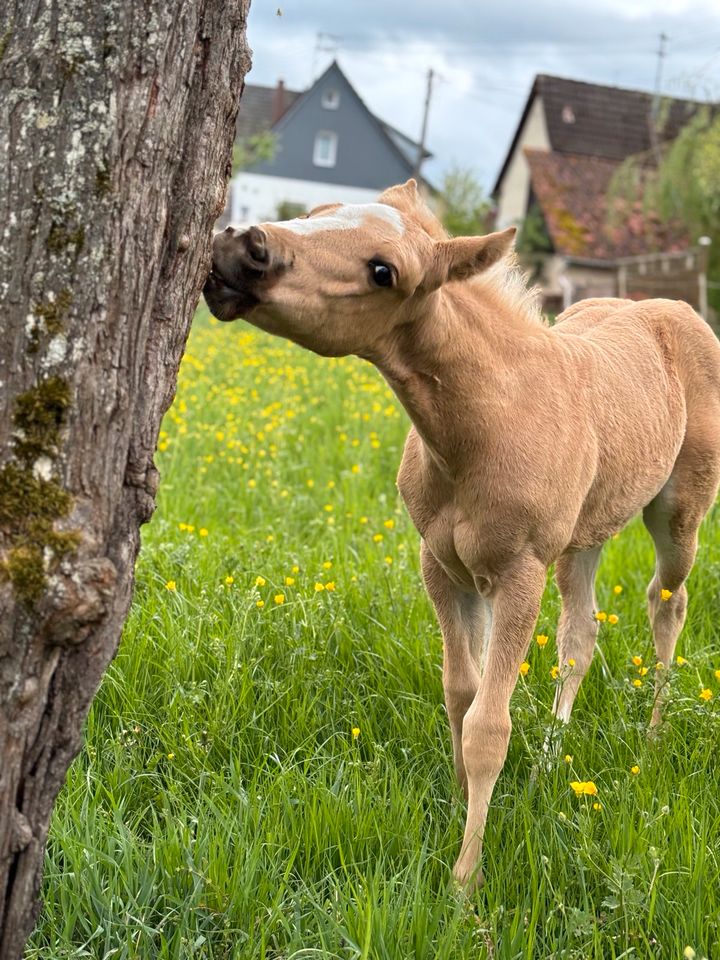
(340, 279)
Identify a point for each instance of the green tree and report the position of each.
(254, 149)
(466, 207)
(683, 188)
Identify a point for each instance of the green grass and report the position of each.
(222, 807)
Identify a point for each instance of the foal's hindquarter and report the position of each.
(533, 445)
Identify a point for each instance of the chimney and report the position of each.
(278, 102)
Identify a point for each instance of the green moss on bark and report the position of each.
(30, 501)
(53, 312)
(61, 237)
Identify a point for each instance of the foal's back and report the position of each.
(678, 331)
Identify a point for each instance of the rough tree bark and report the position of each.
(116, 128)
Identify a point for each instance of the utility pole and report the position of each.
(324, 43)
(655, 108)
(423, 133)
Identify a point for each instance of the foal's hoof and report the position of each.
(468, 879)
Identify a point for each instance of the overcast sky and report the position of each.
(485, 55)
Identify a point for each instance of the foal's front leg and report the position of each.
(463, 619)
(487, 725)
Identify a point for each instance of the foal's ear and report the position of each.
(402, 196)
(463, 257)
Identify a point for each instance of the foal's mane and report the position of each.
(506, 280)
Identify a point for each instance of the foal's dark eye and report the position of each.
(381, 274)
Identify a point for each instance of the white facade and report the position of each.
(513, 195)
(255, 197)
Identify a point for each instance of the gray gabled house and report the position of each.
(328, 148)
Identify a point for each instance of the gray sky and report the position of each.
(486, 55)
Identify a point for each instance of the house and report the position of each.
(571, 140)
(328, 148)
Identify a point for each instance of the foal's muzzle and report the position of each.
(242, 267)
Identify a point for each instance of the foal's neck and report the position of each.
(451, 368)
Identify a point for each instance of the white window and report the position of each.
(325, 149)
(331, 99)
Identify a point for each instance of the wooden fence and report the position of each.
(677, 276)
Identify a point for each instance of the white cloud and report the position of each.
(486, 57)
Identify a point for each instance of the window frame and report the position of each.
(318, 159)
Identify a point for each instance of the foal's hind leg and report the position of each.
(577, 629)
(672, 519)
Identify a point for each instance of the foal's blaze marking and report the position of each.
(530, 445)
(345, 217)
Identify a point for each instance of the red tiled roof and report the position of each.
(571, 191)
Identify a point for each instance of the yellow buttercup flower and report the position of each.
(568, 758)
(327, 564)
(229, 580)
(319, 587)
(171, 585)
(717, 674)
(554, 672)
(601, 616)
(642, 671)
(637, 661)
(665, 594)
(260, 604)
(635, 770)
(584, 788)
(377, 537)
(289, 581)
(637, 683)
(541, 640)
(571, 662)
(680, 661)
(330, 585)
(613, 618)
(524, 668)
(355, 732)
(279, 598)
(597, 806)
(203, 531)
(706, 694)
(617, 589)
(260, 581)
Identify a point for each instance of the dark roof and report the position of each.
(571, 191)
(608, 122)
(407, 146)
(257, 108)
(257, 114)
(600, 121)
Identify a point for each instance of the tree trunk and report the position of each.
(116, 127)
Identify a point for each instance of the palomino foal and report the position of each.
(530, 445)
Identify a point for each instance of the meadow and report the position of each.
(267, 769)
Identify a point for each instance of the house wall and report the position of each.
(563, 282)
(515, 187)
(254, 197)
(365, 156)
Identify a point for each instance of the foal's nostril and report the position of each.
(255, 244)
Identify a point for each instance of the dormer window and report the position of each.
(325, 148)
(331, 99)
